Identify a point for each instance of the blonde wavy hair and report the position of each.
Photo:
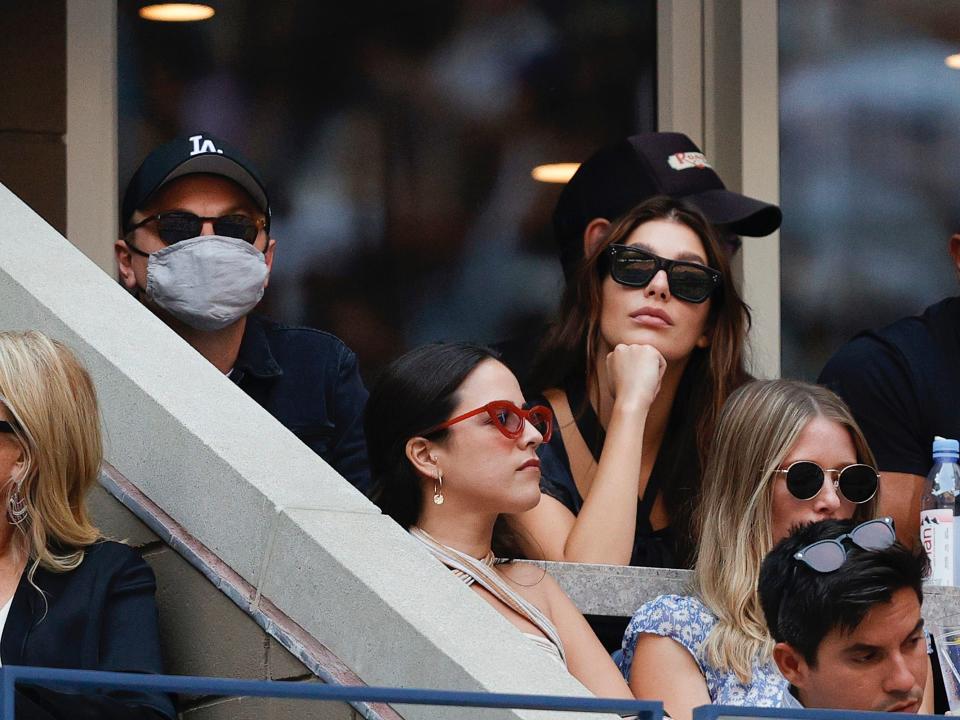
(757, 428)
(52, 407)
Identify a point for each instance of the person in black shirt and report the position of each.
(903, 386)
(196, 250)
(650, 345)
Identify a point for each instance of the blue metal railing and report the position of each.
(79, 679)
(75, 680)
(725, 712)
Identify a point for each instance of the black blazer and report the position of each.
(100, 616)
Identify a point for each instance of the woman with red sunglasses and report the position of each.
(452, 449)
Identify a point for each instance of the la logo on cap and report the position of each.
(206, 146)
(687, 160)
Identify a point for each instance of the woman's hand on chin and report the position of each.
(635, 372)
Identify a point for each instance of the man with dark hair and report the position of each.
(195, 248)
(843, 605)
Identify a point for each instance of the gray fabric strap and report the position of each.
(491, 581)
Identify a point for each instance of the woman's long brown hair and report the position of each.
(572, 346)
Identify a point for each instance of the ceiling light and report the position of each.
(176, 12)
(953, 61)
(555, 172)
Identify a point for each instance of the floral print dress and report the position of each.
(686, 620)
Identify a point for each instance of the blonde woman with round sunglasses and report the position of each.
(785, 453)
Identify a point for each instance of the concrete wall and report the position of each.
(203, 633)
(253, 494)
(624, 589)
(91, 140)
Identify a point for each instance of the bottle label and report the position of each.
(936, 535)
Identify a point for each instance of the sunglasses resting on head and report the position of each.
(827, 556)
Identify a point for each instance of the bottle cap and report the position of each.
(945, 449)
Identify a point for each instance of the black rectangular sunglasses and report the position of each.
(176, 225)
(688, 281)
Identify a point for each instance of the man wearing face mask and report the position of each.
(196, 250)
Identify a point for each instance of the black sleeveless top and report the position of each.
(651, 548)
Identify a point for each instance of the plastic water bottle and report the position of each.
(936, 510)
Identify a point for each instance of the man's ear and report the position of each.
(594, 234)
(268, 258)
(955, 250)
(125, 264)
(419, 452)
(792, 665)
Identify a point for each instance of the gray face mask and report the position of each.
(207, 282)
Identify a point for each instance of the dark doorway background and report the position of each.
(869, 142)
(397, 141)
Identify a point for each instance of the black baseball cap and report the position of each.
(188, 155)
(622, 175)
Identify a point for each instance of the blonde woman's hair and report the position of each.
(52, 407)
(757, 428)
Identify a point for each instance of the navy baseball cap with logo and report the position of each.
(188, 155)
(624, 174)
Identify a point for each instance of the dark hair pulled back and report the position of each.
(416, 391)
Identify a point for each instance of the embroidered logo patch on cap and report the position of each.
(687, 160)
(206, 146)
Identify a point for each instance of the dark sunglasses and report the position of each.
(825, 556)
(857, 483)
(507, 418)
(6, 427)
(688, 281)
(176, 225)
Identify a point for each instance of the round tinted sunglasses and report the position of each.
(826, 556)
(688, 281)
(858, 483)
(177, 225)
(507, 418)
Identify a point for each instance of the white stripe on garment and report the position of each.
(470, 569)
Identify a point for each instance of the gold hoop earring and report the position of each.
(438, 489)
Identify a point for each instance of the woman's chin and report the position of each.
(530, 499)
